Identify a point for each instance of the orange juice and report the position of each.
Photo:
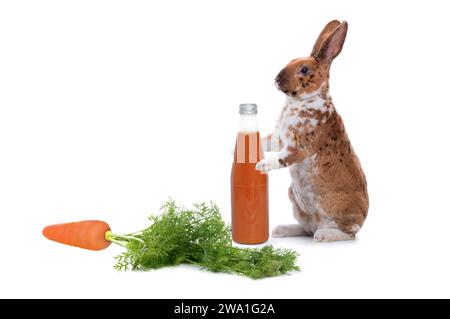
(249, 189)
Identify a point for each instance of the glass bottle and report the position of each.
(249, 187)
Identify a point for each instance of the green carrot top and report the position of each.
(197, 236)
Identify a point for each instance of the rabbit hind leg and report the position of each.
(345, 216)
(303, 228)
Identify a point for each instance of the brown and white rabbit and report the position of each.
(329, 190)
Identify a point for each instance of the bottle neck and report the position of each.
(248, 123)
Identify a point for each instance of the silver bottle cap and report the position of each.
(248, 108)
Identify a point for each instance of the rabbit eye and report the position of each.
(304, 70)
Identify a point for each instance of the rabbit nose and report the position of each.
(280, 80)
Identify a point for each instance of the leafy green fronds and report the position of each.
(198, 236)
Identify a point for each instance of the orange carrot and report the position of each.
(88, 234)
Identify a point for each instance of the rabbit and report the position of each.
(329, 189)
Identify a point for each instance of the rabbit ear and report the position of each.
(327, 30)
(332, 46)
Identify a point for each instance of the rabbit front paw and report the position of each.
(268, 164)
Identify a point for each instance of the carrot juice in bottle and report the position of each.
(249, 189)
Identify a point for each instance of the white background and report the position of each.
(107, 108)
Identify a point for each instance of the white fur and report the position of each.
(355, 228)
(307, 96)
(331, 234)
(316, 104)
(268, 164)
(313, 101)
(275, 142)
(301, 184)
(289, 231)
(272, 162)
(313, 122)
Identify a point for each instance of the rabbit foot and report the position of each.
(331, 234)
(289, 231)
